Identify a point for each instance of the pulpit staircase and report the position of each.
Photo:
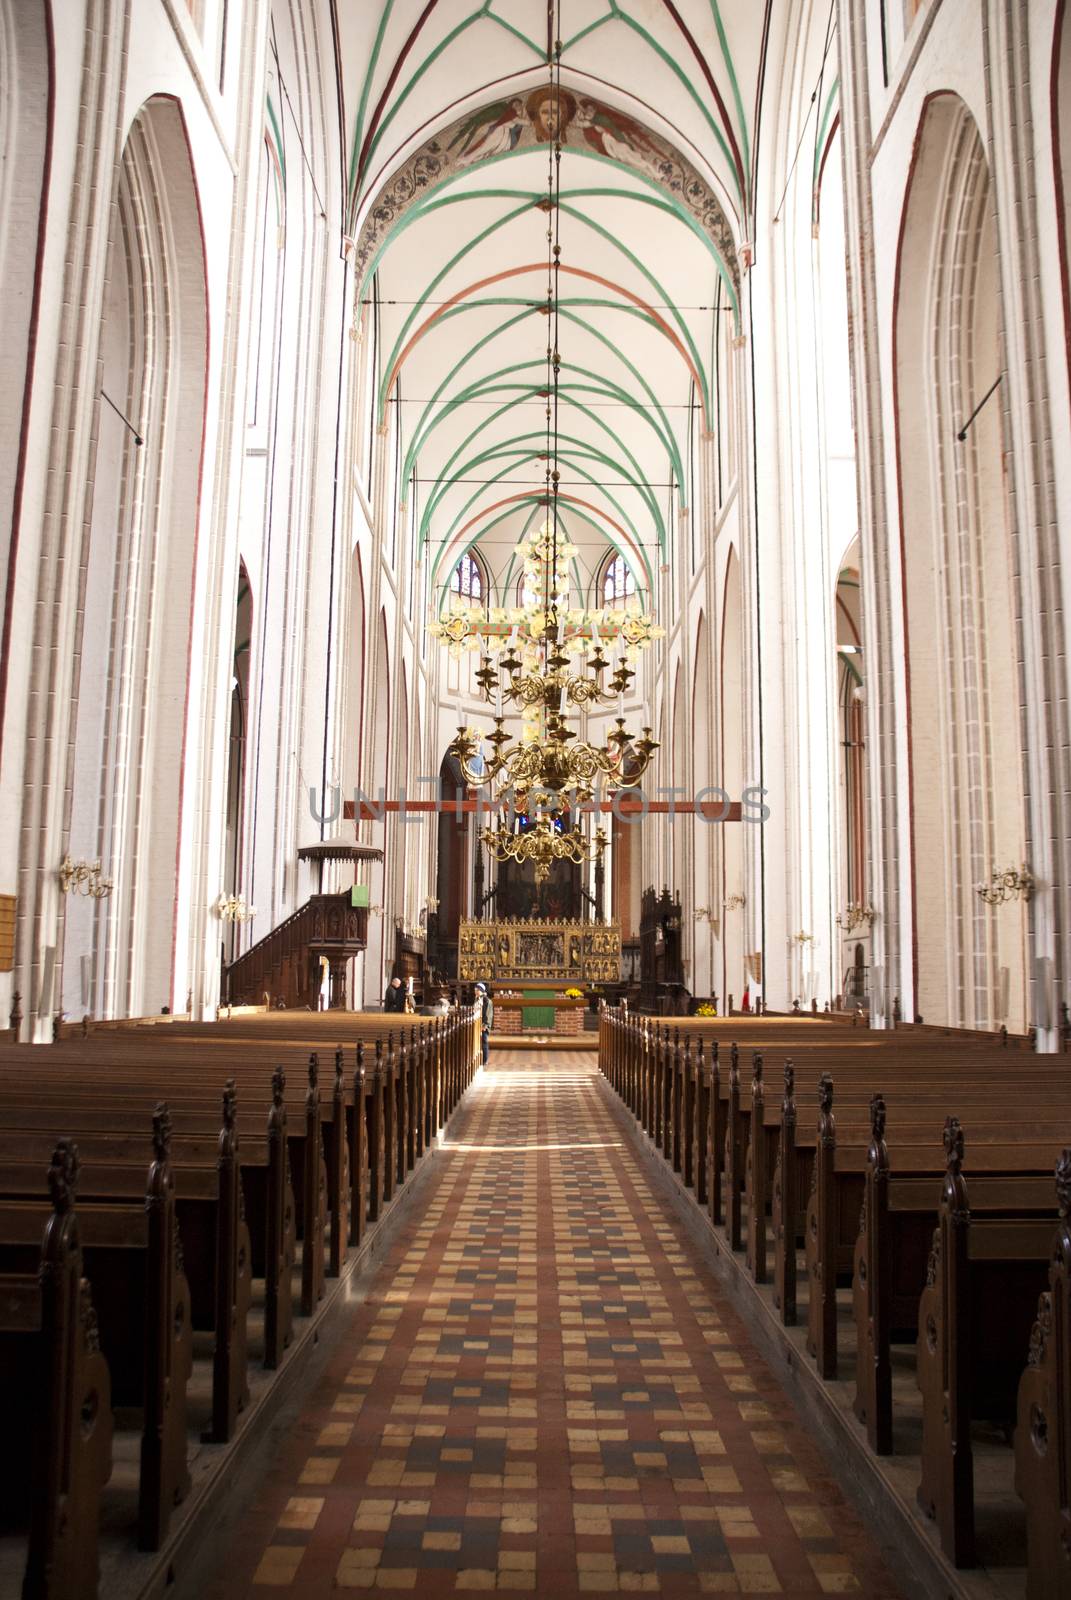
(285, 968)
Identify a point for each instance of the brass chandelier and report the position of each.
(543, 659)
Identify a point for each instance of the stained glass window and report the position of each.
(468, 579)
(618, 584)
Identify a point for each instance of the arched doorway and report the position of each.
(125, 779)
(967, 811)
(1061, 150)
(375, 762)
(733, 898)
(705, 835)
(851, 977)
(25, 139)
(233, 860)
(451, 868)
(355, 674)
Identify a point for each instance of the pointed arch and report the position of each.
(135, 608)
(963, 670)
(26, 56)
(730, 670)
(631, 147)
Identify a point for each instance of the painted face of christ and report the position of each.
(551, 112)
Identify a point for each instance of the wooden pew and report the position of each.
(982, 1285)
(755, 1178)
(867, 1205)
(306, 1154)
(133, 1258)
(216, 1180)
(450, 1040)
(1043, 1410)
(440, 1061)
(179, 1071)
(839, 1173)
(899, 1214)
(786, 1204)
(57, 1453)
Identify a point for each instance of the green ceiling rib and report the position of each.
(583, 451)
(660, 295)
(435, 200)
(529, 391)
(662, 298)
(603, 388)
(423, 429)
(820, 141)
(584, 448)
(538, 495)
(571, 316)
(278, 133)
(538, 50)
(537, 502)
(428, 62)
(689, 88)
(599, 22)
(471, 351)
(737, 100)
(366, 89)
(400, 342)
(484, 11)
(435, 197)
(567, 391)
(594, 302)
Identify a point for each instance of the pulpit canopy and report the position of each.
(339, 849)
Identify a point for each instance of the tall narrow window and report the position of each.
(618, 584)
(468, 580)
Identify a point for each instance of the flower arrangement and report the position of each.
(574, 994)
(706, 1010)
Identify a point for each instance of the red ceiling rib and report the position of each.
(545, 499)
(541, 266)
(693, 45)
(704, 68)
(391, 81)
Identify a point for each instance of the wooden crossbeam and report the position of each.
(709, 810)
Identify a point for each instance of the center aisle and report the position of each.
(545, 1392)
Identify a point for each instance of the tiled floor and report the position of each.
(544, 1393)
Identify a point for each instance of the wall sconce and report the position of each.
(802, 938)
(856, 915)
(735, 902)
(375, 911)
(704, 914)
(84, 877)
(232, 908)
(1010, 884)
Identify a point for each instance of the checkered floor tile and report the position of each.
(545, 1393)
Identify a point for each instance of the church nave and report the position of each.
(546, 1392)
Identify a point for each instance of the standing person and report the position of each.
(487, 1018)
(394, 999)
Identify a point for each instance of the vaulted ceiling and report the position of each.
(450, 123)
